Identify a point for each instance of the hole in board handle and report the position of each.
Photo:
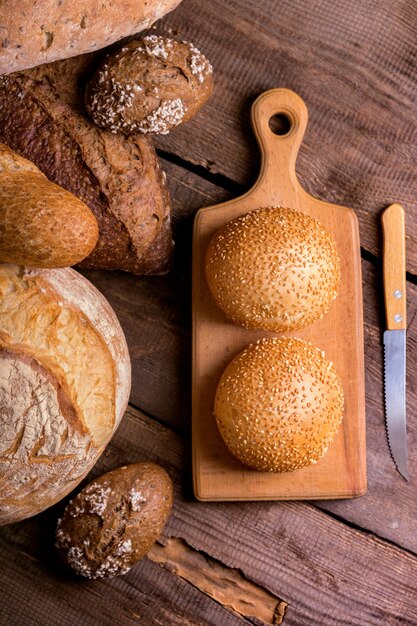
(280, 124)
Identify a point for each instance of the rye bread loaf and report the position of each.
(35, 32)
(64, 385)
(42, 118)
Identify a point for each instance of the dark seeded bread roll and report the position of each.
(114, 521)
(42, 118)
(149, 86)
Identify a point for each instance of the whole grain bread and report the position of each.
(35, 32)
(42, 118)
(114, 521)
(150, 86)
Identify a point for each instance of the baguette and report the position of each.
(42, 118)
(34, 32)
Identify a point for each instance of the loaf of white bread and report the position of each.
(35, 32)
(64, 385)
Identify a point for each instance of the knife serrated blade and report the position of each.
(395, 335)
(394, 370)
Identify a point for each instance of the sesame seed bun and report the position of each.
(279, 404)
(273, 268)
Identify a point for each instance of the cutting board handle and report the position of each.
(279, 151)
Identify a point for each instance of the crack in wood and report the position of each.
(223, 584)
(206, 170)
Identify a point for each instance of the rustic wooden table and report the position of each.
(326, 563)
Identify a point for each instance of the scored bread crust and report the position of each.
(64, 385)
(40, 32)
(42, 118)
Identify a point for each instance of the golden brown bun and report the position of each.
(279, 404)
(114, 521)
(41, 224)
(273, 268)
(64, 385)
(149, 86)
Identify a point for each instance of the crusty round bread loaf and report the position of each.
(273, 268)
(40, 32)
(149, 86)
(64, 385)
(41, 224)
(114, 521)
(279, 404)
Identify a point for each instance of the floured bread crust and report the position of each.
(41, 32)
(64, 385)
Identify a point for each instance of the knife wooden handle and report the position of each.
(393, 230)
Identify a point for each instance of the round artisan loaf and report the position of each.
(41, 224)
(279, 404)
(273, 268)
(40, 32)
(64, 385)
(149, 86)
(114, 521)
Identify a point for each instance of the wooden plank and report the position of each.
(342, 471)
(227, 586)
(36, 593)
(292, 550)
(354, 65)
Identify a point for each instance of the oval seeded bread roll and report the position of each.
(41, 224)
(114, 521)
(40, 32)
(273, 268)
(149, 86)
(279, 404)
(64, 385)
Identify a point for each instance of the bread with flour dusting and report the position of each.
(150, 85)
(34, 32)
(64, 385)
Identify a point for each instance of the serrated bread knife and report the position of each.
(394, 337)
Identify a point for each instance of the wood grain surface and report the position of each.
(350, 562)
(341, 473)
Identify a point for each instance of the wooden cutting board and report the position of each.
(217, 475)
